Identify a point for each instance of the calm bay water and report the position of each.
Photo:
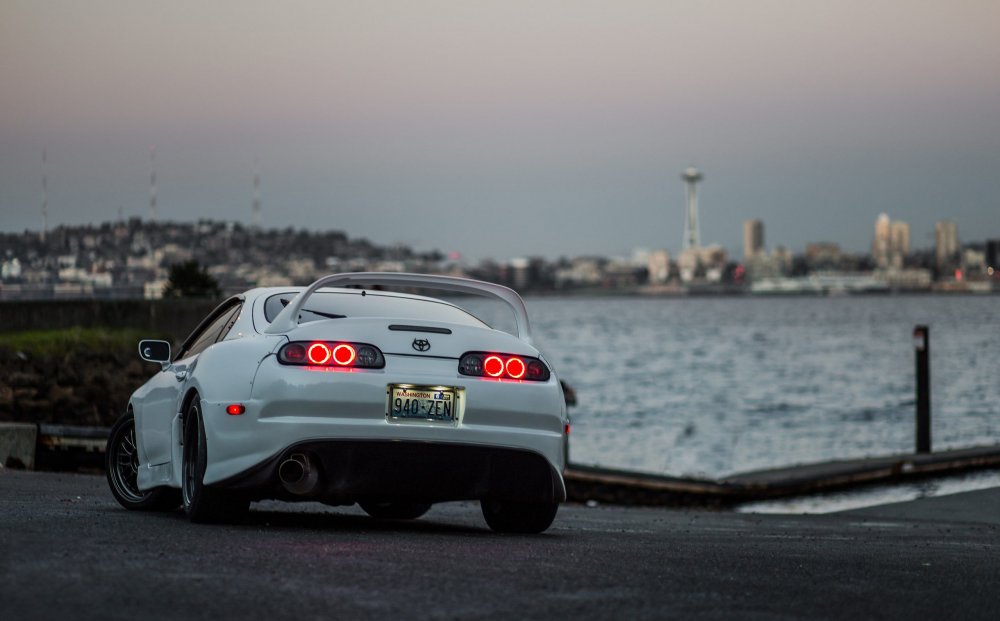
(714, 386)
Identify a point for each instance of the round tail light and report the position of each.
(515, 368)
(344, 354)
(493, 366)
(318, 353)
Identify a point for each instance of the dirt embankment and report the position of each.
(78, 386)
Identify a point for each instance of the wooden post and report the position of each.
(921, 344)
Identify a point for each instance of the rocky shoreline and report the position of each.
(76, 386)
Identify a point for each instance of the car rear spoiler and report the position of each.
(287, 319)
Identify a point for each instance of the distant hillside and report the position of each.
(134, 252)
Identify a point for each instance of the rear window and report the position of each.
(340, 304)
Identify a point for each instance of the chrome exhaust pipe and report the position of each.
(298, 474)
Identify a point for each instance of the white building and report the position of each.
(658, 265)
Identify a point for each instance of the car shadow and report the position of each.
(342, 522)
(327, 520)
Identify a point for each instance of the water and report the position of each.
(714, 386)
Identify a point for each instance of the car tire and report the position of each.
(518, 517)
(121, 465)
(203, 504)
(395, 510)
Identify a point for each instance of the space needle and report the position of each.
(692, 238)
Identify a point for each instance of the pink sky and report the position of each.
(547, 110)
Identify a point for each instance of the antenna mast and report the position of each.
(256, 192)
(152, 183)
(45, 196)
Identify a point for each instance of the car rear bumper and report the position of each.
(352, 470)
(292, 407)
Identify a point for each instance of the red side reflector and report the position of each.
(567, 428)
(235, 409)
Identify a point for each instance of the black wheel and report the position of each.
(395, 510)
(204, 504)
(519, 517)
(121, 464)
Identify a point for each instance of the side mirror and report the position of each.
(155, 351)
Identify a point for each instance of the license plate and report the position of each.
(427, 403)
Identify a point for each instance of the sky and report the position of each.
(509, 128)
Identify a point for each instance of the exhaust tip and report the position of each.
(291, 471)
(299, 475)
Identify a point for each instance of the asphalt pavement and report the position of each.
(68, 551)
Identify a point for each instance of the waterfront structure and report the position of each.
(882, 241)
(753, 238)
(520, 272)
(946, 244)
(580, 272)
(764, 266)
(785, 257)
(704, 263)
(659, 267)
(823, 255)
(973, 263)
(692, 236)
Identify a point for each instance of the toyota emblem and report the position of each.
(421, 344)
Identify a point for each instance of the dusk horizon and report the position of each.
(495, 130)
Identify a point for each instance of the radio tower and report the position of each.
(256, 193)
(45, 196)
(152, 183)
(692, 238)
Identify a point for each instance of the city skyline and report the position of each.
(254, 217)
(499, 129)
(890, 243)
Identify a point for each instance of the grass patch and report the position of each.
(46, 342)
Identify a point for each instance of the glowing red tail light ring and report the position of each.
(324, 353)
(331, 355)
(338, 352)
(500, 366)
(515, 367)
(496, 362)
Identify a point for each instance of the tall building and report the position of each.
(692, 236)
(899, 242)
(946, 244)
(753, 238)
(883, 240)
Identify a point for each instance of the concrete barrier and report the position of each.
(17, 445)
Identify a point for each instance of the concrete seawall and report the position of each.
(174, 317)
(630, 488)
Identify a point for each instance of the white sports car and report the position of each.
(341, 394)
